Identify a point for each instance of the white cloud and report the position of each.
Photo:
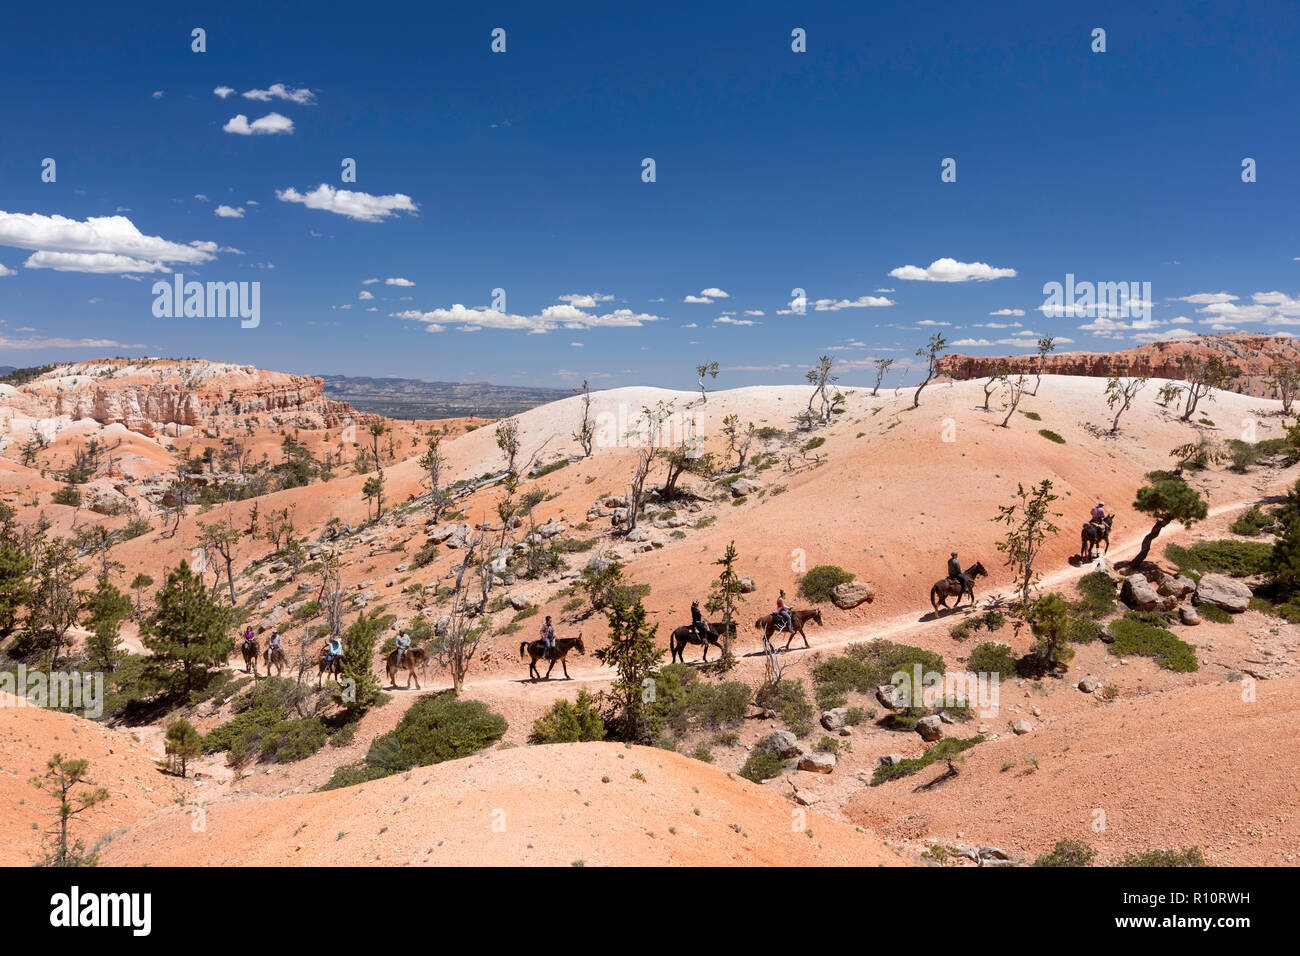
(365, 295)
(40, 343)
(1203, 298)
(996, 325)
(861, 302)
(581, 301)
(932, 322)
(754, 312)
(691, 325)
(950, 270)
(269, 124)
(6, 271)
(280, 92)
(399, 281)
(228, 212)
(369, 281)
(1016, 312)
(157, 94)
(885, 290)
(355, 205)
(706, 296)
(727, 320)
(553, 317)
(223, 91)
(106, 244)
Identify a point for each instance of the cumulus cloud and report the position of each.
(229, 212)
(728, 320)
(1016, 312)
(223, 91)
(279, 91)
(1223, 312)
(269, 125)
(582, 301)
(355, 205)
(6, 271)
(706, 296)
(97, 244)
(950, 270)
(399, 281)
(553, 317)
(861, 302)
(366, 295)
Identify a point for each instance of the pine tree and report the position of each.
(1167, 499)
(106, 608)
(138, 584)
(15, 571)
(725, 597)
(1030, 523)
(633, 654)
(187, 631)
(183, 743)
(1284, 564)
(60, 778)
(359, 688)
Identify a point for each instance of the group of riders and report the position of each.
(782, 617)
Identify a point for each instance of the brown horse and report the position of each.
(947, 587)
(560, 648)
(251, 650)
(413, 658)
(335, 667)
(685, 634)
(274, 657)
(769, 626)
(1092, 534)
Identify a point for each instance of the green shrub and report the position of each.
(1098, 595)
(567, 722)
(67, 495)
(352, 774)
(1164, 858)
(1137, 637)
(813, 443)
(1051, 436)
(428, 551)
(1214, 613)
(1251, 523)
(761, 765)
(434, 729)
(992, 658)
(948, 747)
(816, 585)
(788, 699)
(1033, 416)
(291, 740)
(1084, 631)
(993, 620)
(1068, 853)
(1225, 556)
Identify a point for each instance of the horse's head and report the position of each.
(1108, 519)
(978, 570)
(578, 644)
(817, 616)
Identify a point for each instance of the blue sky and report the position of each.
(522, 171)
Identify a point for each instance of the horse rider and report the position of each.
(783, 613)
(955, 572)
(1099, 514)
(403, 643)
(273, 644)
(249, 636)
(332, 650)
(548, 637)
(697, 623)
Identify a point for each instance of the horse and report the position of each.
(947, 587)
(685, 634)
(274, 657)
(335, 667)
(413, 658)
(250, 649)
(560, 648)
(1091, 535)
(769, 625)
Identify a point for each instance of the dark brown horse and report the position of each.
(947, 587)
(251, 650)
(685, 634)
(1093, 534)
(335, 667)
(413, 658)
(274, 657)
(769, 625)
(560, 648)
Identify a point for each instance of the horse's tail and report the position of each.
(934, 603)
(522, 647)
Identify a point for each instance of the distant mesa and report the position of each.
(1256, 356)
